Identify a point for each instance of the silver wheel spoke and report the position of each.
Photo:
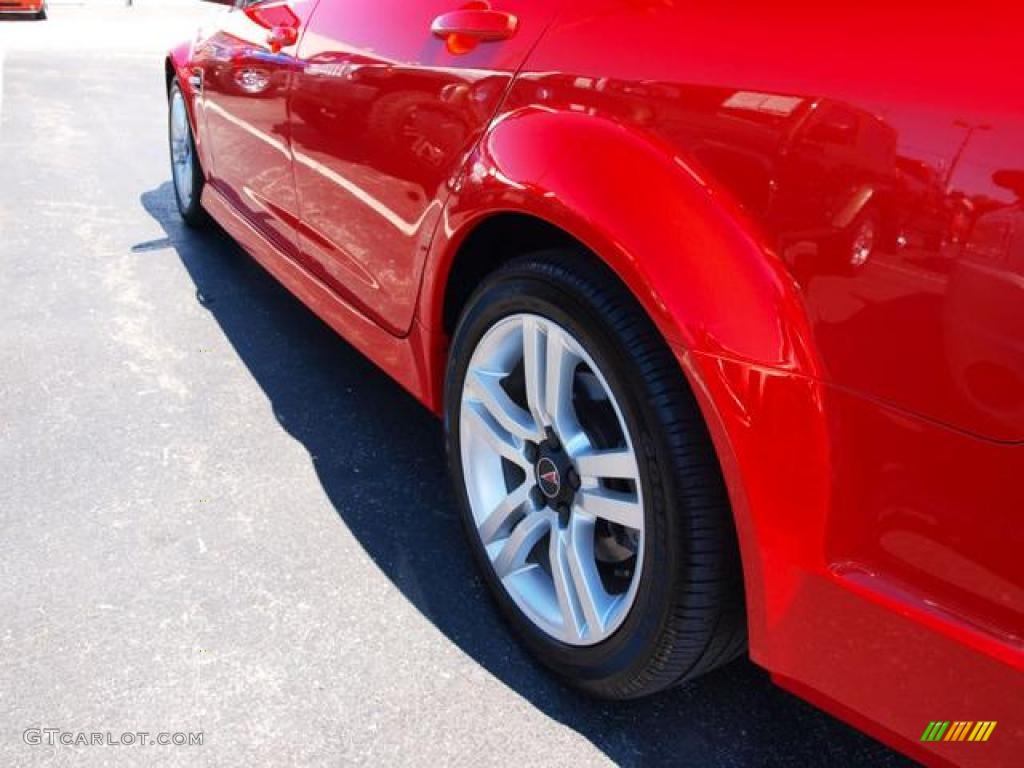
(561, 574)
(534, 345)
(481, 423)
(179, 117)
(617, 464)
(619, 508)
(560, 364)
(186, 184)
(497, 523)
(577, 584)
(524, 538)
(486, 388)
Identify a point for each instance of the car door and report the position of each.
(245, 68)
(389, 97)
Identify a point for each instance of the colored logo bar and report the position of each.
(959, 730)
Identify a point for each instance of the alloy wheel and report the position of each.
(181, 150)
(552, 479)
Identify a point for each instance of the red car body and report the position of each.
(820, 206)
(22, 6)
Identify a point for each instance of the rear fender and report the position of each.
(722, 300)
(687, 252)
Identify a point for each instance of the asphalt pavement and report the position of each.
(216, 517)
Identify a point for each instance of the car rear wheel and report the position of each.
(186, 173)
(590, 493)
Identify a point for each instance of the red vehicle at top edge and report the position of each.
(723, 304)
(36, 8)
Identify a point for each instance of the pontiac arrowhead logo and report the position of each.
(548, 479)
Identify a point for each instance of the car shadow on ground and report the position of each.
(354, 421)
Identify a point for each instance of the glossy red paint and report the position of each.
(22, 6)
(820, 207)
(383, 117)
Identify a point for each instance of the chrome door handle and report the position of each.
(481, 24)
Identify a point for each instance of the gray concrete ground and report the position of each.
(215, 516)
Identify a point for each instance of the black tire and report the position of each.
(42, 14)
(688, 616)
(193, 214)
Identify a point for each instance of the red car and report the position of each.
(722, 305)
(36, 8)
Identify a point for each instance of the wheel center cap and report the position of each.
(549, 479)
(555, 476)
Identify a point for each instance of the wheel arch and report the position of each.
(720, 298)
(693, 258)
(176, 64)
